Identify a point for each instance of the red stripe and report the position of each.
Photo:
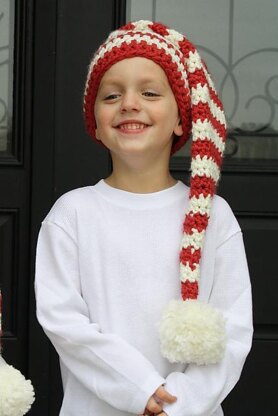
(206, 148)
(128, 26)
(189, 255)
(201, 185)
(197, 221)
(159, 28)
(202, 112)
(186, 47)
(189, 290)
(215, 98)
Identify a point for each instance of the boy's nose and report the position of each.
(130, 102)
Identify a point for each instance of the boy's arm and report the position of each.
(201, 389)
(104, 363)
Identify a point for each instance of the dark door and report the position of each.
(15, 165)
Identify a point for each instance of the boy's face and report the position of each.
(135, 109)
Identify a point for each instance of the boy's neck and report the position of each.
(141, 174)
(141, 183)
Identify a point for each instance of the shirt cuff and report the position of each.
(146, 391)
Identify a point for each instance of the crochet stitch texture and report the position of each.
(202, 117)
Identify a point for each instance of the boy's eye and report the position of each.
(150, 94)
(111, 97)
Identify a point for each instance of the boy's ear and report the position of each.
(178, 131)
(96, 130)
(96, 134)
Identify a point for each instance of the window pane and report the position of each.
(6, 73)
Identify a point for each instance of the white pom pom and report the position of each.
(16, 393)
(192, 332)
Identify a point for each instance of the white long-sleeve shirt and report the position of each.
(107, 265)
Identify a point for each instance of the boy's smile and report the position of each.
(135, 110)
(131, 126)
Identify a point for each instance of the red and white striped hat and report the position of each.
(190, 331)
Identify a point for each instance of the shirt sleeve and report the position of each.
(103, 362)
(201, 389)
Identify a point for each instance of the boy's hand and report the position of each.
(154, 414)
(155, 403)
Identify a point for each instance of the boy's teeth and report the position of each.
(132, 126)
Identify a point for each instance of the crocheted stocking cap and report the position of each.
(190, 331)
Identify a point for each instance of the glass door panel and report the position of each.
(6, 75)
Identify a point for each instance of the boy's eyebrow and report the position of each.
(153, 81)
(144, 81)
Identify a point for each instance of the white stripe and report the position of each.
(174, 37)
(142, 25)
(205, 167)
(201, 204)
(139, 38)
(201, 93)
(195, 239)
(194, 62)
(187, 274)
(114, 35)
(204, 130)
(210, 82)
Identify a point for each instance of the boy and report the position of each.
(108, 255)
